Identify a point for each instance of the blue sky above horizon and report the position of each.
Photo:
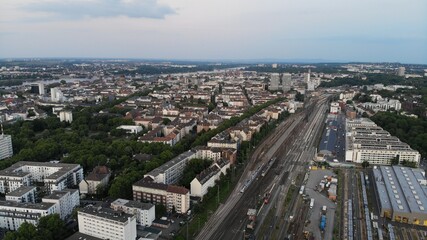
(335, 30)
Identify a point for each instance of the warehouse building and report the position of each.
(401, 194)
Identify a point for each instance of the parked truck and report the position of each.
(322, 224)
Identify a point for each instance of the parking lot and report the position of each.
(320, 200)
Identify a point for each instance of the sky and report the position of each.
(321, 30)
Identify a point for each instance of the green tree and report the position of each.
(52, 227)
(394, 161)
(365, 164)
(24, 232)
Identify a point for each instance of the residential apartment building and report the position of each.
(171, 171)
(207, 178)
(173, 197)
(55, 176)
(66, 116)
(204, 180)
(96, 179)
(13, 214)
(6, 150)
(144, 212)
(67, 200)
(223, 143)
(106, 223)
(286, 82)
(274, 82)
(23, 194)
(366, 141)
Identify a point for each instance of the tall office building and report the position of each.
(56, 95)
(401, 71)
(307, 76)
(6, 149)
(66, 116)
(286, 82)
(274, 81)
(41, 89)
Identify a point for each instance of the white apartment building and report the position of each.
(222, 143)
(203, 181)
(23, 194)
(56, 176)
(286, 82)
(366, 141)
(204, 152)
(206, 179)
(106, 223)
(13, 214)
(383, 105)
(131, 128)
(335, 108)
(144, 212)
(66, 116)
(56, 95)
(6, 150)
(171, 171)
(274, 81)
(41, 88)
(66, 200)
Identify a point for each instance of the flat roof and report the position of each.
(400, 186)
(132, 204)
(21, 191)
(60, 194)
(106, 213)
(81, 236)
(16, 169)
(171, 163)
(40, 206)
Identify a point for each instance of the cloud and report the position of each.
(77, 9)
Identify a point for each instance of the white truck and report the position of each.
(312, 203)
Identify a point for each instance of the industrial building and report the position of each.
(365, 141)
(401, 194)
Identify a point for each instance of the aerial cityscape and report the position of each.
(146, 120)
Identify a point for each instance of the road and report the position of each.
(287, 144)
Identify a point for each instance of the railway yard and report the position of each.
(283, 194)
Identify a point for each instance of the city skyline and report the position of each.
(339, 31)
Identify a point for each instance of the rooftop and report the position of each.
(171, 163)
(17, 205)
(132, 204)
(17, 169)
(21, 191)
(106, 213)
(400, 188)
(81, 236)
(60, 194)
